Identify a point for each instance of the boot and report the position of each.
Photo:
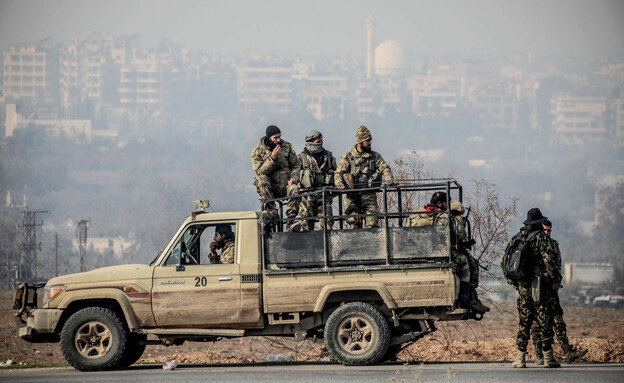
(549, 359)
(539, 357)
(520, 361)
(464, 295)
(476, 304)
(573, 355)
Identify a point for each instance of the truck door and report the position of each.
(189, 291)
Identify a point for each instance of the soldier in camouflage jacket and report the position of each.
(366, 168)
(277, 173)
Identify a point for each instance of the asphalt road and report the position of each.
(327, 372)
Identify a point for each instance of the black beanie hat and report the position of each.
(438, 197)
(272, 130)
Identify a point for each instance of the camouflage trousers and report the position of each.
(269, 190)
(473, 264)
(362, 203)
(463, 268)
(528, 311)
(559, 325)
(312, 206)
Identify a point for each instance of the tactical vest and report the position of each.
(362, 180)
(310, 179)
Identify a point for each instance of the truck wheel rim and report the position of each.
(93, 340)
(356, 335)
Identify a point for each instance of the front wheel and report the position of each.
(357, 334)
(94, 339)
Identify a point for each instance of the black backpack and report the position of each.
(517, 258)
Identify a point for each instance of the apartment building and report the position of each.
(325, 96)
(576, 119)
(267, 88)
(435, 95)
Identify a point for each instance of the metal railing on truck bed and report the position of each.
(392, 243)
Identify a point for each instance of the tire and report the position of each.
(94, 339)
(134, 350)
(357, 334)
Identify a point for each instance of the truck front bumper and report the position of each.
(40, 325)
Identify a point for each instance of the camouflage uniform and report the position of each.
(557, 311)
(367, 169)
(273, 174)
(227, 254)
(312, 206)
(534, 295)
(473, 263)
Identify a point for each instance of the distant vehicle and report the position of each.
(365, 293)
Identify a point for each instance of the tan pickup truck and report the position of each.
(365, 293)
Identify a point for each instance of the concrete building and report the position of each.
(496, 105)
(32, 71)
(436, 95)
(591, 273)
(576, 119)
(79, 129)
(140, 88)
(325, 96)
(266, 88)
(389, 59)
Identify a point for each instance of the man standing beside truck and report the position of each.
(361, 168)
(317, 170)
(277, 174)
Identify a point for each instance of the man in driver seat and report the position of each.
(224, 240)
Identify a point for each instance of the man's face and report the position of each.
(276, 139)
(219, 238)
(367, 145)
(318, 140)
(547, 229)
(442, 205)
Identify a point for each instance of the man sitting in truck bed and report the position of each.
(435, 214)
(223, 239)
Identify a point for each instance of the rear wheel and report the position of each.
(94, 339)
(357, 334)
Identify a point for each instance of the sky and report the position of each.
(330, 27)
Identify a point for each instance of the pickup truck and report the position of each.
(365, 293)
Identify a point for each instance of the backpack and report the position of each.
(516, 263)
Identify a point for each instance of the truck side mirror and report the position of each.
(180, 266)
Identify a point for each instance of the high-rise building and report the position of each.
(576, 119)
(269, 88)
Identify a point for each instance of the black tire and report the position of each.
(134, 350)
(357, 334)
(94, 339)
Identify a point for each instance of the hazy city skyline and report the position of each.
(329, 28)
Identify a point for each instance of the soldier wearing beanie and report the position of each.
(277, 174)
(361, 167)
(317, 170)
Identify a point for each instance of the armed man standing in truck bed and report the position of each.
(317, 170)
(361, 167)
(277, 174)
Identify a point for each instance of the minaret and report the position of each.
(370, 60)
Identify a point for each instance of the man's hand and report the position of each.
(556, 286)
(276, 151)
(291, 182)
(340, 187)
(213, 247)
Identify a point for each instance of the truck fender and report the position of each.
(380, 288)
(111, 293)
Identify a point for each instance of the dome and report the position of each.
(389, 58)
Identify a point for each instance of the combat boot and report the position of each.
(573, 355)
(549, 359)
(520, 361)
(539, 357)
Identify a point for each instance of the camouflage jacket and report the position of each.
(227, 254)
(546, 259)
(365, 167)
(285, 167)
(440, 218)
(319, 175)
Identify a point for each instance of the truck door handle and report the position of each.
(225, 279)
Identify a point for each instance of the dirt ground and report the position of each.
(492, 339)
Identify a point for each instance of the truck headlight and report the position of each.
(50, 292)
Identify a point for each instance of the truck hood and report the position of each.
(108, 274)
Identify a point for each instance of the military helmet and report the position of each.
(438, 197)
(363, 134)
(457, 206)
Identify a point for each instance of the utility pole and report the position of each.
(28, 262)
(56, 244)
(81, 236)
